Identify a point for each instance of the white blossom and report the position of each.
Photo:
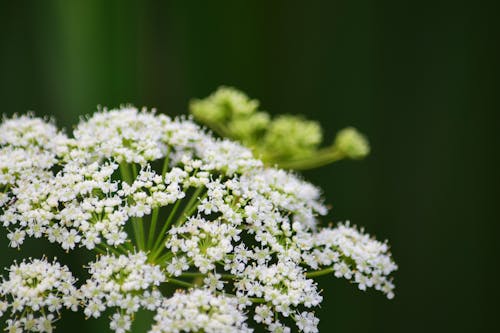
(35, 292)
(240, 239)
(199, 310)
(126, 282)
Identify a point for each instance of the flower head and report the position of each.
(35, 292)
(164, 202)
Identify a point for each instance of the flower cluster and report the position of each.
(126, 283)
(34, 293)
(290, 141)
(354, 256)
(164, 204)
(199, 310)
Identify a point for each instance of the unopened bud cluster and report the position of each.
(289, 141)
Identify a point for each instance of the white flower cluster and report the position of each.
(200, 310)
(34, 293)
(283, 287)
(166, 202)
(127, 283)
(355, 256)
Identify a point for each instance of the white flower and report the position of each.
(355, 254)
(120, 323)
(126, 282)
(238, 237)
(307, 322)
(199, 310)
(34, 291)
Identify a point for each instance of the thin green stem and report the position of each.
(320, 272)
(134, 170)
(180, 283)
(166, 162)
(104, 249)
(100, 251)
(136, 222)
(125, 172)
(161, 260)
(158, 242)
(126, 247)
(140, 232)
(156, 211)
(189, 206)
(257, 300)
(192, 274)
(152, 226)
(198, 274)
(187, 211)
(320, 158)
(139, 221)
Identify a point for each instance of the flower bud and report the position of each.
(352, 143)
(222, 105)
(292, 137)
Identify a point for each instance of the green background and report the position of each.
(417, 77)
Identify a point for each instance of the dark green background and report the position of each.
(417, 77)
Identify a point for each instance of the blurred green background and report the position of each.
(416, 77)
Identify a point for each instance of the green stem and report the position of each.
(126, 247)
(158, 242)
(137, 224)
(198, 274)
(99, 250)
(152, 227)
(134, 170)
(161, 260)
(139, 221)
(320, 272)
(192, 274)
(140, 232)
(257, 300)
(181, 283)
(187, 211)
(156, 211)
(126, 175)
(166, 162)
(189, 206)
(320, 158)
(104, 249)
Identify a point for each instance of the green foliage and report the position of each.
(289, 141)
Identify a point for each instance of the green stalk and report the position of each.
(320, 272)
(156, 211)
(166, 161)
(161, 260)
(126, 248)
(104, 249)
(321, 158)
(158, 242)
(139, 221)
(257, 300)
(126, 175)
(180, 283)
(189, 206)
(187, 211)
(136, 222)
(197, 274)
(152, 227)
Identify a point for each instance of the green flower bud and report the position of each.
(249, 129)
(351, 143)
(292, 137)
(223, 105)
